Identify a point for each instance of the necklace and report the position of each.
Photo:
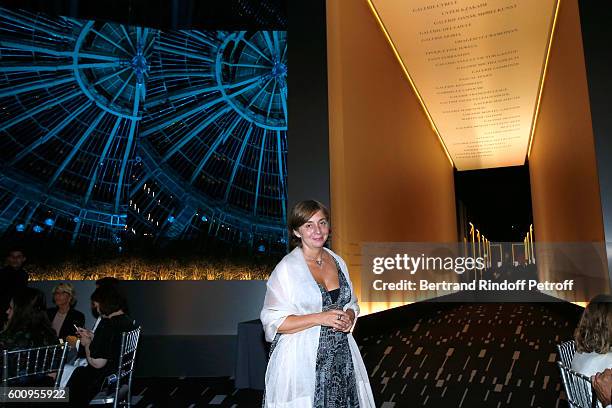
(319, 261)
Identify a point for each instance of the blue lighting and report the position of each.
(129, 105)
(279, 69)
(261, 248)
(140, 65)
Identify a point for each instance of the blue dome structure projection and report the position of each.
(111, 132)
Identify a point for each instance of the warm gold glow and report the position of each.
(137, 269)
(367, 308)
(414, 88)
(537, 108)
(473, 240)
(477, 70)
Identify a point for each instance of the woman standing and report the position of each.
(308, 312)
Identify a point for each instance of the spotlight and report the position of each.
(49, 222)
(38, 229)
(204, 218)
(261, 248)
(171, 219)
(76, 219)
(20, 227)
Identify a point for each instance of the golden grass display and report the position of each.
(137, 269)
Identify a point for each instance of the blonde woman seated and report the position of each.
(593, 337)
(64, 317)
(308, 313)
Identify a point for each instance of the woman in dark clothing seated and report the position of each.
(102, 348)
(28, 324)
(64, 316)
(27, 327)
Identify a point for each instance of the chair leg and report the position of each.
(129, 391)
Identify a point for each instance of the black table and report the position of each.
(251, 356)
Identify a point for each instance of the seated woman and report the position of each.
(28, 324)
(593, 337)
(102, 348)
(64, 316)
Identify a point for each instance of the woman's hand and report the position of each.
(336, 319)
(351, 315)
(86, 336)
(84, 332)
(602, 383)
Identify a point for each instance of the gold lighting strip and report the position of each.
(537, 108)
(414, 88)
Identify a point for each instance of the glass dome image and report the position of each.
(110, 131)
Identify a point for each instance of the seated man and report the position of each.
(101, 348)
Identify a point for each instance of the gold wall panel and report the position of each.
(478, 67)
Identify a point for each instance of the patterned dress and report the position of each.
(335, 376)
(335, 385)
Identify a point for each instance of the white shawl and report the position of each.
(290, 377)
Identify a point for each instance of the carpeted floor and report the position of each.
(471, 355)
(467, 355)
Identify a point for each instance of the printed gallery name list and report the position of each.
(483, 285)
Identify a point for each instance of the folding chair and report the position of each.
(19, 366)
(118, 390)
(578, 388)
(567, 349)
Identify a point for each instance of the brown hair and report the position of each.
(30, 316)
(299, 215)
(594, 332)
(109, 298)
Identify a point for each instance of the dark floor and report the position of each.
(432, 355)
(194, 392)
(471, 355)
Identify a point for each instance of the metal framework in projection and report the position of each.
(109, 130)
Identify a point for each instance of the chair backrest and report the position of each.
(127, 357)
(578, 388)
(18, 365)
(567, 349)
